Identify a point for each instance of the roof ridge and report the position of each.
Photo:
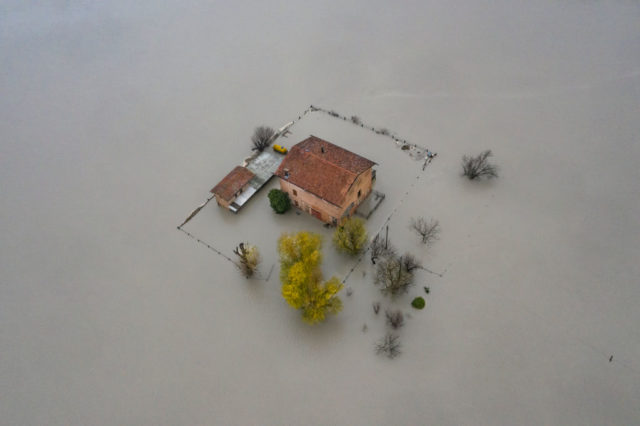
(324, 160)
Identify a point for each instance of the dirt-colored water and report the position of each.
(116, 120)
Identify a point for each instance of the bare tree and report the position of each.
(249, 258)
(410, 262)
(389, 346)
(380, 249)
(261, 138)
(427, 230)
(395, 319)
(376, 248)
(479, 167)
(393, 277)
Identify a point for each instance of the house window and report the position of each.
(295, 203)
(359, 193)
(294, 192)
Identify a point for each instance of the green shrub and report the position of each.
(418, 303)
(279, 201)
(351, 236)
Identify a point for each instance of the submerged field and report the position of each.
(117, 120)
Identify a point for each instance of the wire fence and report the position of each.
(415, 151)
(207, 245)
(385, 223)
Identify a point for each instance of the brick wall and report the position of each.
(324, 210)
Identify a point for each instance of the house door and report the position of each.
(316, 213)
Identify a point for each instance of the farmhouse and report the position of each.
(231, 186)
(325, 180)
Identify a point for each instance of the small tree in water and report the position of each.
(261, 138)
(479, 167)
(395, 319)
(351, 236)
(410, 262)
(302, 286)
(389, 346)
(249, 258)
(380, 248)
(427, 230)
(393, 276)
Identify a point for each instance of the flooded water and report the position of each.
(117, 119)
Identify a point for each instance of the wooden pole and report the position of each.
(386, 239)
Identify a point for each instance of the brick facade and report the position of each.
(324, 210)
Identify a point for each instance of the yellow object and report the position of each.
(351, 236)
(301, 277)
(279, 148)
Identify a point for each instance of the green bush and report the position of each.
(418, 303)
(351, 236)
(279, 201)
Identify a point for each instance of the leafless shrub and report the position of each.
(479, 167)
(355, 119)
(376, 307)
(249, 258)
(392, 276)
(427, 230)
(261, 138)
(383, 131)
(333, 113)
(410, 263)
(380, 248)
(394, 319)
(389, 346)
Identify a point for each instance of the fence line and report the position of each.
(381, 131)
(385, 223)
(356, 121)
(210, 247)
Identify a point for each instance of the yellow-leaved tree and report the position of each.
(351, 236)
(302, 286)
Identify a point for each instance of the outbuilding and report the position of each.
(232, 186)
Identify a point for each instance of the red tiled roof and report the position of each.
(232, 182)
(322, 168)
